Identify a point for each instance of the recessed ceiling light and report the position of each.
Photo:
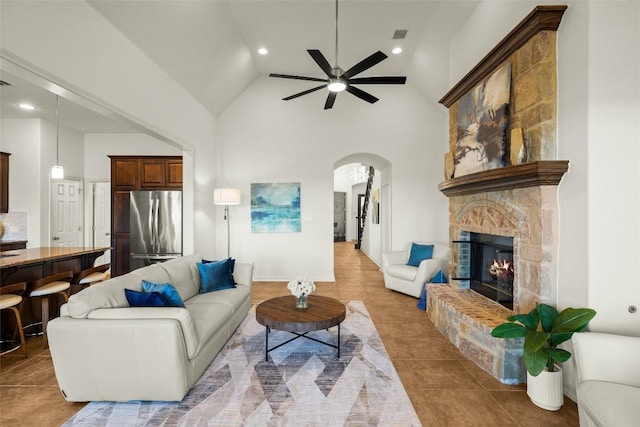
(396, 50)
(263, 51)
(26, 106)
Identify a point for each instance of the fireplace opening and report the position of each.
(486, 262)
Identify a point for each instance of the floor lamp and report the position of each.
(226, 197)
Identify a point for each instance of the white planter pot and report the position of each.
(545, 390)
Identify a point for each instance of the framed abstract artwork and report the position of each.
(483, 119)
(275, 207)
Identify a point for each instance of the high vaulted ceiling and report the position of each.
(210, 47)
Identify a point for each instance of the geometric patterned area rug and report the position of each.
(302, 384)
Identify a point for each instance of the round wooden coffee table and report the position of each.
(281, 314)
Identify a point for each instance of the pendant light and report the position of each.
(57, 171)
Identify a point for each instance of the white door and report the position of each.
(66, 213)
(102, 219)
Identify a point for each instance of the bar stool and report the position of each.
(10, 296)
(43, 288)
(91, 276)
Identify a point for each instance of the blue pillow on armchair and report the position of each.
(145, 299)
(418, 253)
(216, 275)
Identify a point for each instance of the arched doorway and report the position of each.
(377, 231)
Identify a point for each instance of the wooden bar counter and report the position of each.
(26, 265)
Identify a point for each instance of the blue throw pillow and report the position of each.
(439, 278)
(418, 253)
(145, 299)
(233, 263)
(215, 276)
(167, 290)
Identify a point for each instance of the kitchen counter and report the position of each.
(29, 265)
(32, 264)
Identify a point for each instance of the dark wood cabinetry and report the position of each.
(173, 173)
(14, 245)
(129, 173)
(4, 182)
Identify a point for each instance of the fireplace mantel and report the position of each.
(544, 172)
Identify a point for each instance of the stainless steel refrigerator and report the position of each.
(155, 227)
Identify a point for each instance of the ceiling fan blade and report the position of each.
(388, 80)
(322, 62)
(289, 76)
(331, 98)
(365, 64)
(361, 94)
(303, 93)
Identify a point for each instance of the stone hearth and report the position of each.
(467, 318)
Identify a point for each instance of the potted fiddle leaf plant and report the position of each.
(543, 329)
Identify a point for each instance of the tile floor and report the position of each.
(445, 388)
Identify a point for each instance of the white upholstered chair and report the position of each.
(410, 280)
(607, 379)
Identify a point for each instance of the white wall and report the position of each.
(22, 138)
(71, 151)
(265, 139)
(613, 191)
(99, 146)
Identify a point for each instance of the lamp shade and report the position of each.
(226, 196)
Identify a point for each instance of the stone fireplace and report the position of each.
(517, 203)
(529, 216)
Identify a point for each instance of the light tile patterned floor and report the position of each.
(445, 388)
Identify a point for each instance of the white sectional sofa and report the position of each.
(103, 349)
(607, 379)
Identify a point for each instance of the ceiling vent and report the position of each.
(3, 83)
(400, 34)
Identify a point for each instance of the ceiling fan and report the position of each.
(338, 80)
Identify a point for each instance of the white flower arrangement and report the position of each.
(301, 286)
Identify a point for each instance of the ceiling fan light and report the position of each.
(336, 85)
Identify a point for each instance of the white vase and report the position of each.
(545, 390)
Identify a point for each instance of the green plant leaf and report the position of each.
(547, 315)
(559, 355)
(572, 319)
(528, 320)
(508, 330)
(535, 340)
(559, 338)
(535, 362)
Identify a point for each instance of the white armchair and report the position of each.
(408, 279)
(607, 379)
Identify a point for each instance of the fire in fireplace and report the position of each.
(486, 262)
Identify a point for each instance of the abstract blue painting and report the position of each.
(275, 208)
